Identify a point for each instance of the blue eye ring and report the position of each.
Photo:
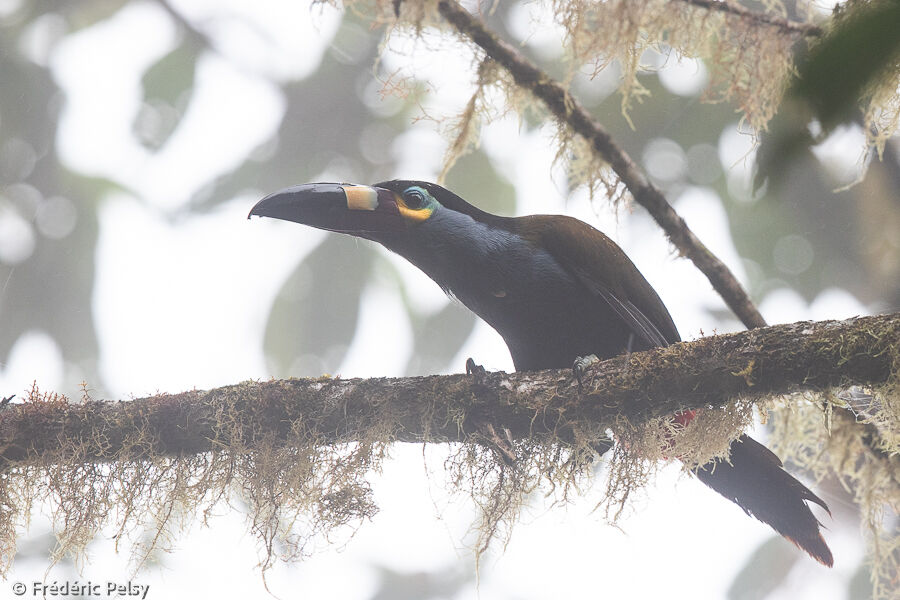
(414, 198)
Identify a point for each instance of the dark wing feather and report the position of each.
(640, 325)
(601, 266)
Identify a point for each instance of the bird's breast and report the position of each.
(546, 317)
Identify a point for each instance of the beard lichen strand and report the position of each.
(827, 440)
(289, 484)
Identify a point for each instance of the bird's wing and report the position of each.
(642, 326)
(601, 266)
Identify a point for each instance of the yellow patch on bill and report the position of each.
(360, 197)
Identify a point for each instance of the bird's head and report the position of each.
(376, 212)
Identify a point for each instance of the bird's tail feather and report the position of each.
(755, 480)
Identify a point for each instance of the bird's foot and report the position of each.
(472, 368)
(581, 365)
(475, 370)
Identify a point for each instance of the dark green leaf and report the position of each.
(172, 75)
(765, 571)
(80, 15)
(167, 86)
(324, 122)
(860, 586)
(838, 69)
(829, 86)
(437, 338)
(475, 179)
(422, 585)
(51, 289)
(314, 316)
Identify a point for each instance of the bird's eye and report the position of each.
(414, 198)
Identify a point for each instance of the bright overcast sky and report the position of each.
(208, 281)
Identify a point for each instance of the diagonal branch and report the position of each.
(565, 107)
(732, 8)
(546, 406)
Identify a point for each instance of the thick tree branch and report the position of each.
(565, 107)
(545, 404)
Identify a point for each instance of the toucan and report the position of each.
(556, 290)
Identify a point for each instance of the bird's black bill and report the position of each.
(341, 207)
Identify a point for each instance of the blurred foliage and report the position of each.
(850, 63)
(446, 583)
(313, 136)
(47, 263)
(840, 238)
(863, 45)
(437, 338)
(805, 235)
(315, 314)
(860, 587)
(799, 234)
(167, 86)
(764, 571)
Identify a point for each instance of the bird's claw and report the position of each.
(581, 365)
(477, 371)
(502, 446)
(474, 369)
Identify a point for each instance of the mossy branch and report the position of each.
(300, 453)
(546, 405)
(781, 23)
(568, 110)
